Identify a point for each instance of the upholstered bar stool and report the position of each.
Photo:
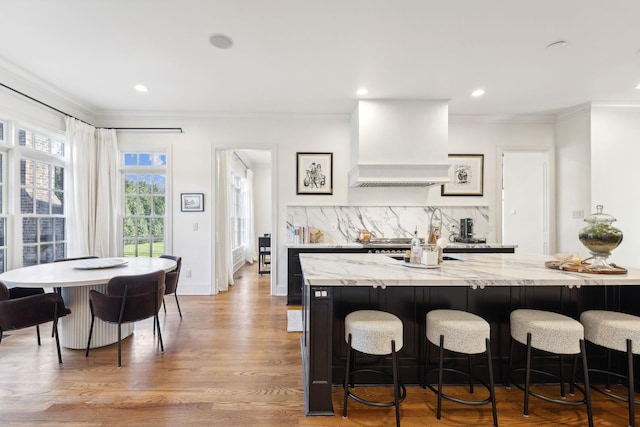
(615, 331)
(459, 332)
(376, 333)
(552, 333)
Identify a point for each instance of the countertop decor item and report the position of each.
(584, 267)
(600, 237)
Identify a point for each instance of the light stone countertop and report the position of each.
(474, 270)
(360, 245)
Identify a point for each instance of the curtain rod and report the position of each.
(241, 161)
(139, 129)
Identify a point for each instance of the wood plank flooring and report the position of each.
(228, 362)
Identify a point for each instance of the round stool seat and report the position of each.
(464, 332)
(611, 329)
(551, 332)
(372, 331)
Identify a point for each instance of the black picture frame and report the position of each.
(192, 202)
(314, 173)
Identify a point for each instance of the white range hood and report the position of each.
(399, 143)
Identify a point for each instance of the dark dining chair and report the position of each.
(171, 281)
(128, 299)
(31, 310)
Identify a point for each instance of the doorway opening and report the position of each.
(244, 212)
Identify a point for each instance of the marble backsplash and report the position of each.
(342, 224)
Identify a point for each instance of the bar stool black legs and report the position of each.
(375, 333)
(465, 333)
(552, 333)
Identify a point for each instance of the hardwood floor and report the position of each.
(228, 362)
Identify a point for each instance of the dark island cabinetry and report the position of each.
(294, 272)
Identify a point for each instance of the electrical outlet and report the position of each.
(187, 273)
(577, 214)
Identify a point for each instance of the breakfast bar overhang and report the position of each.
(490, 285)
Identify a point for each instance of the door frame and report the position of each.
(549, 197)
(274, 215)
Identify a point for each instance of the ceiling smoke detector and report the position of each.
(221, 41)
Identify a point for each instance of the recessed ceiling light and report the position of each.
(478, 92)
(362, 91)
(638, 86)
(559, 43)
(221, 41)
(141, 88)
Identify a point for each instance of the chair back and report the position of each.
(129, 298)
(18, 313)
(4, 292)
(171, 278)
(264, 243)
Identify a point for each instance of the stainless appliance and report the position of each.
(466, 228)
(466, 233)
(395, 247)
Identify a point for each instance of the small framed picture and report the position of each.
(314, 173)
(466, 174)
(192, 202)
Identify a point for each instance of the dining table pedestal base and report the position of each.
(74, 332)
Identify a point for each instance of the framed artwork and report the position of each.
(314, 173)
(192, 202)
(466, 174)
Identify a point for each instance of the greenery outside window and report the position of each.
(144, 203)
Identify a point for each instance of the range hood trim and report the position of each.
(383, 175)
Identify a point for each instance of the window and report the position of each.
(238, 210)
(41, 197)
(144, 203)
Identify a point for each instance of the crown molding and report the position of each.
(23, 81)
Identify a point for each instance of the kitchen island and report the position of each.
(490, 285)
(294, 271)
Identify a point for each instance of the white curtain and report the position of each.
(108, 200)
(251, 253)
(92, 191)
(224, 258)
(80, 188)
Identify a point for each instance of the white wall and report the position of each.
(573, 177)
(615, 133)
(610, 174)
(485, 135)
(193, 171)
(263, 201)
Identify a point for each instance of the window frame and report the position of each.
(19, 153)
(13, 153)
(157, 148)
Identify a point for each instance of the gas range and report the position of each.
(395, 242)
(389, 246)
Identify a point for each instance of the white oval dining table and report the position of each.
(76, 278)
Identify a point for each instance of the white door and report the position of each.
(525, 201)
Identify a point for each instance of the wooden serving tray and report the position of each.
(584, 267)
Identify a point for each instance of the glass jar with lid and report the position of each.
(600, 237)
